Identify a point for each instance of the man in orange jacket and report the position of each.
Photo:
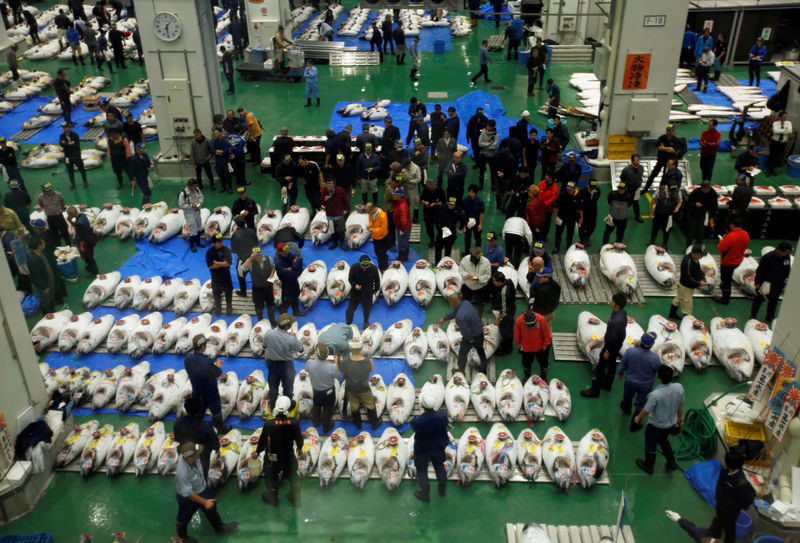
(532, 334)
(731, 250)
(379, 227)
(548, 192)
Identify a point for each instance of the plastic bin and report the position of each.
(763, 158)
(794, 166)
(438, 47)
(524, 55)
(258, 54)
(70, 270)
(586, 174)
(734, 431)
(758, 538)
(743, 525)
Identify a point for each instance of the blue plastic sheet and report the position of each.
(427, 36)
(12, 122)
(487, 9)
(465, 107)
(703, 478)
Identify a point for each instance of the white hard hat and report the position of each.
(282, 405)
(526, 113)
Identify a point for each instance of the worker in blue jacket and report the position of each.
(289, 266)
(612, 343)
(703, 41)
(203, 374)
(430, 440)
(494, 252)
(687, 47)
(139, 167)
(514, 38)
(238, 157)
(471, 328)
(222, 156)
(756, 57)
(638, 367)
(312, 82)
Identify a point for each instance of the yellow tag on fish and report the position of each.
(306, 446)
(591, 447)
(148, 442)
(74, 438)
(532, 449)
(470, 448)
(595, 336)
(498, 444)
(560, 449)
(335, 450)
(234, 447)
(362, 453)
(393, 450)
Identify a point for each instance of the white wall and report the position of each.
(22, 394)
(786, 334)
(184, 75)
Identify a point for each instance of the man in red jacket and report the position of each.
(532, 334)
(401, 216)
(334, 201)
(731, 250)
(548, 192)
(534, 213)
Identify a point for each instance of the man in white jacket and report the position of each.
(518, 237)
(475, 274)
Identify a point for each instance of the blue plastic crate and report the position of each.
(27, 538)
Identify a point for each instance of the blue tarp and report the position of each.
(488, 10)
(703, 478)
(465, 107)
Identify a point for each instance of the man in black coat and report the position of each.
(245, 207)
(280, 460)
(115, 39)
(62, 88)
(430, 431)
(475, 124)
(701, 210)
(71, 144)
(195, 428)
(242, 243)
(771, 276)
(365, 282)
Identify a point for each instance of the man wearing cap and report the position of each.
(571, 171)
(740, 198)
(245, 207)
(747, 162)
(438, 122)
(664, 408)
(219, 260)
(116, 38)
(41, 273)
(475, 126)
(701, 211)
(667, 203)
(323, 371)
(550, 149)
(260, 267)
(344, 175)
(474, 210)
(242, 243)
(445, 151)
(71, 144)
(535, 213)
(203, 374)
(432, 199)
(731, 251)
(545, 292)
(86, 238)
(453, 123)
(366, 137)
(286, 172)
(566, 213)
(709, 144)
(8, 159)
(669, 147)
(336, 205)
(139, 167)
(288, 267)
(520, 130)
(475, 272)
(53, 204)
(638, 367)
(356, 370)
(430, 442)
(10, 222)
(391, 134)
(612, 343)
(619, 201)
(494, 252)
(280, 437)
(412, 175)
(632, 175)
(416, 110)
(62, 88)
(587, 204)
(190, 199)
(18, 201)
(194, 494)
(771, 276)
(254, 132)
(310, 175)
(548, 192)
(487, 143)
(691, 277)
(379, 229)
(471, 328)
(451, 221)
(533, 336)
(367, 168)
(194, 427)
(133, 130)
(456, 174)
(345, 142)
(238, 156)
(281, 347)
(401, 218)
(517, 236)
(504, 302)
(222, 153)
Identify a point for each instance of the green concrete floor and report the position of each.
(145, 508)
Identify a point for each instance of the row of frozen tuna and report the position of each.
(392, 457)
(737, 351)
(49, 155)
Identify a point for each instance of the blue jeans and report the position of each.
(187, 508)
(639, 391)
(280, 372)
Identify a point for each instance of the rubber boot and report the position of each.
(327, 422)
(308, 102)
(442, 489)
(634, 427)
(270, 497)
(673, 312)
(357, 419)
(317, 102)
(422, 496)
(74, 60)
(374, 421)
(415, 218)
(271, 315)
(375, 198)
(222, 528)
(671, 464)
(181, 529)
(593, 391)
(647, 464)
(316, 413)
(294, 497)
(217, 306)
(219, 425)
(543, 374)
(625, 405)
(296, 309)
(526, 374)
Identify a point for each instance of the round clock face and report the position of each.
(167, 26)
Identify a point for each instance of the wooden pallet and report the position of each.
(497, 42)
(25, 134)
(598, 289)
(93, 134)
(573, 534)
(469, 371)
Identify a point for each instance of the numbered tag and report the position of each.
(362, 453)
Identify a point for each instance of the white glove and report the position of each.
(673, 516)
